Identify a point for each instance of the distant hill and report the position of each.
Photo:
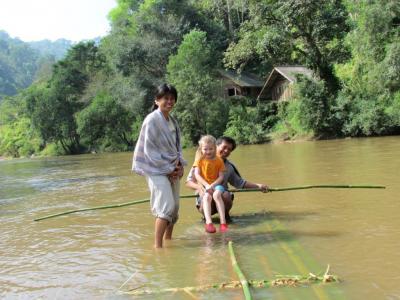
(57, 48)
(18, 64)
(21, 63)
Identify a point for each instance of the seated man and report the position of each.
(225, 145)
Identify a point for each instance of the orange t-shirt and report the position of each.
(210, 168)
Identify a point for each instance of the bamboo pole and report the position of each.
(305, 187)
(270, 189)
(202, 288)
(280, 280)
(92, 208)
(102, 207)
(242, 278)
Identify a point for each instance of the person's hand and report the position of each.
(176, 174)
(201, 189)
(262, 187)
(209, 189)
(179, 170)
(173, 176)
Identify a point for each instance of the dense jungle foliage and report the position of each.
(22, 63)
(19, 65)
(97, 96)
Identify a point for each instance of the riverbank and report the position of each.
(274, 138)
(279, 138)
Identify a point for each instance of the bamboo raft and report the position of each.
(285, 251)
(279, 281)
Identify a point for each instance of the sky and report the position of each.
(75, 20)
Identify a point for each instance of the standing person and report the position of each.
(225, 145)
(158, 157)
(209, 172)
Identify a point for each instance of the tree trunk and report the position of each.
(325, 72)
(64, 146)
(322, 68)
(228, 7)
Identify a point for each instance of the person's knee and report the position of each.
(226, 195)
(217, 195)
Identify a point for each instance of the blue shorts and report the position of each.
(220, 188)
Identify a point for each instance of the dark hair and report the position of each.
(165, 89)
(227, 140)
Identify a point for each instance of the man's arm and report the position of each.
(238, 182)
(251, 185)
(192, 183)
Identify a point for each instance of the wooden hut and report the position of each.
(278, 86)
(243, 84)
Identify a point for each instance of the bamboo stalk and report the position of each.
(304, 187)
(193, 196)
(242, 278)
(225, 285)
(92, 208)
(281, 280)
(103, 207)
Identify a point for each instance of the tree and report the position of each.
(315, 107)
(190, 70)
(368, 103)
(305, 32)
(53, 108)
(105, 124)
(145, 33)
(229, 13)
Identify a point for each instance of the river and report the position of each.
(90, 255)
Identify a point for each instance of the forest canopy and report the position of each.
(96, 97)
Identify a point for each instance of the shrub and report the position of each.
(314, 106)
(105, 125)
(369, 116)
(289, 123)
(18, 139)
(242, 126)
(53, 149)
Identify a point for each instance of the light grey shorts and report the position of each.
(164, 197)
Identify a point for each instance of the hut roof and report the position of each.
(288, 72)
(244, 79)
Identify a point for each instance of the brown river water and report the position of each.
(100, 254)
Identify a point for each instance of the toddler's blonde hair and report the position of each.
(205, 140)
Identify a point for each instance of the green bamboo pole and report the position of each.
(305, 187)
(270, 189)
(92, 208)
(242, 278)
(281, 280)
(102, 207)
